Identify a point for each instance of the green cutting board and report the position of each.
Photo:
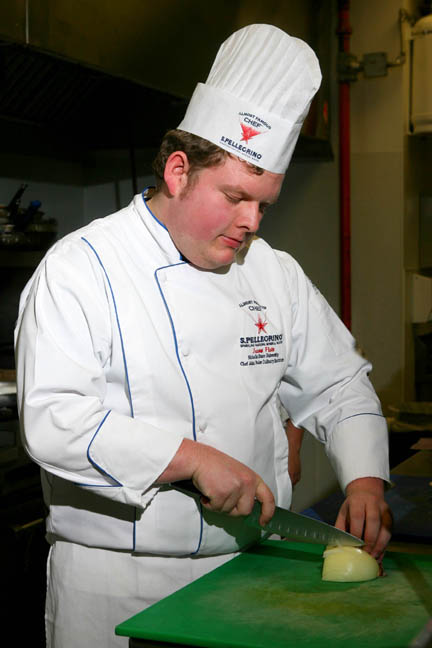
(272, 596)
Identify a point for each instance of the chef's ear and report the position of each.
(176, 172)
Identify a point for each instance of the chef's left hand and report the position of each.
(366, 515)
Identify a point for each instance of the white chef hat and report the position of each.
(256, 96)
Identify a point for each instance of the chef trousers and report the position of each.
(90, 590)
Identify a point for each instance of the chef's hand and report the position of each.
(227, 485)
(366, 515)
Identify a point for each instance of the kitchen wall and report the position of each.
(305, 223)
(108, 185)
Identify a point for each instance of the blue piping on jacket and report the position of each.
(175, 342)
(184, 376)
(360, 414)
(93, 463)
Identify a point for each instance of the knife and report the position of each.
(286, 523)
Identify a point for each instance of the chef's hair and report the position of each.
(200, 152)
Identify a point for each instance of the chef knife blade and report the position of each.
(287, 524)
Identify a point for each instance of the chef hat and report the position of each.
(256, 96)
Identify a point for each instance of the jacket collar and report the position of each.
(156, 229)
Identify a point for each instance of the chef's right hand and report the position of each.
(227, 485)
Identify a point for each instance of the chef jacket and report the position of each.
(124, 349)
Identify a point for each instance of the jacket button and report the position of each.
(185, 350)
(203, 426)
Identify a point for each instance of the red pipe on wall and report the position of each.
(344, 32)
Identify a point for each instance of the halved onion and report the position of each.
(348, 564)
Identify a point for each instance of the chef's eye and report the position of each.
(232, 199)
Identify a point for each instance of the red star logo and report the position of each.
(261, 324)
(248, 132)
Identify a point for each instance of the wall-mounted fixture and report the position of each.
(373, 64)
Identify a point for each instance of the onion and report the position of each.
(348, 564)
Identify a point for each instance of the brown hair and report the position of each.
(200, 152)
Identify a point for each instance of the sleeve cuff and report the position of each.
(132, 452)
(358, 447)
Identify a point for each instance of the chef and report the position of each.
(152, 346)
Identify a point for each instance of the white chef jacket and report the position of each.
(123, 349)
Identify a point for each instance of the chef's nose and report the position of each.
(250, 217)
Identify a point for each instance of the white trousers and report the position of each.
(90, 591)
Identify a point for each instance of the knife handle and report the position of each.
(188, 487)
